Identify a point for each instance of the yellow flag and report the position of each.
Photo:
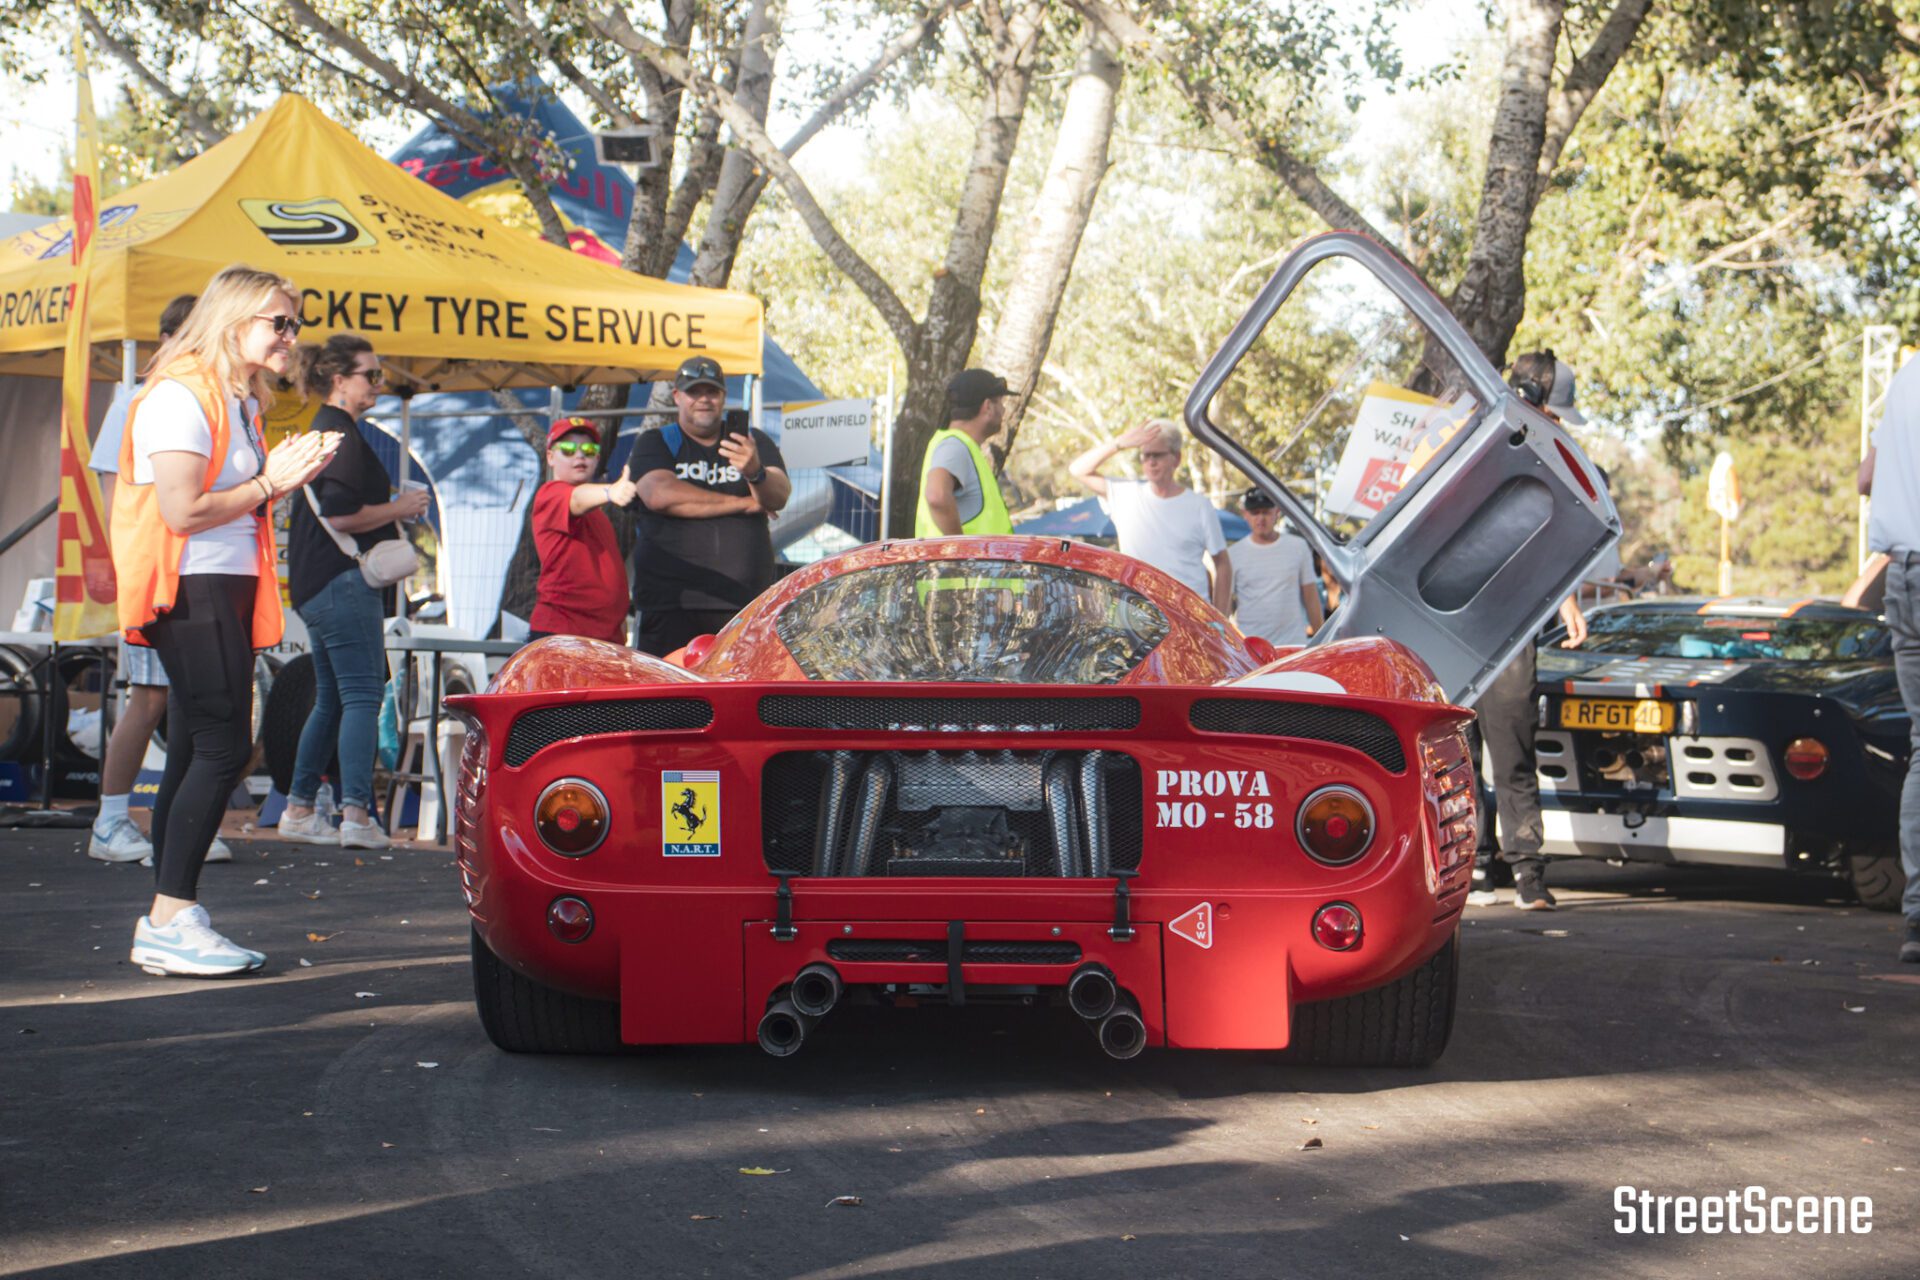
(84, 587)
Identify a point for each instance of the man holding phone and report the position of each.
(707, 488)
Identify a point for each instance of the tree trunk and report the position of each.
(1492, 295)
(942, 341)
(741, 179)
(1059, 217)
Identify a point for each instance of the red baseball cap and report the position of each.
(567, 426)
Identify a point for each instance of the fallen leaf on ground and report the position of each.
(311, 896)
(358, 862)
(258, 1191)
(366, 995)
(1853, 1008)
(1129, 1236)
(323, 937)
(849, 1202)
(758, 1172)
(1308, 1120)
(428, 1065)
(386, 1146)
(305, 963)
(702, 1217)
(1312, 1144)
(261, 880)
(1369, 1126)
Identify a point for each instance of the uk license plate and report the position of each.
(1620, 715)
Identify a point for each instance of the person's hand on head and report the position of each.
(1136, 436)
(741, 452)
(622, 491)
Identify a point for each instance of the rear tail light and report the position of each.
(1806, 758)
(570, 919)
(571, 817)
(1335, 825)
(1336, 926)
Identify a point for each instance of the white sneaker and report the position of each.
(218, 851)
(363, 835)
(310, 828)
(120, 841)
(1483, 898)
(187, 946)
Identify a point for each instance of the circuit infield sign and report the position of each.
(826, 433)
(450, 298)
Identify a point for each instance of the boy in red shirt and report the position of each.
(583, 579)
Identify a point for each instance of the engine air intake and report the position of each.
(1361, 730)
(544, 726)
(982, 715)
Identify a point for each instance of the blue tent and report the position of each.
(1088, 519)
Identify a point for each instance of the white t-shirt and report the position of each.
(1268, 581)
(1173, 534)
(1893, 519)
(106, 446)
(170, 421)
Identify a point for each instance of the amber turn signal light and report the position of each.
(571, 817)
(1806, 758)
(1335, 825)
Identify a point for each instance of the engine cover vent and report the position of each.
(542, 727)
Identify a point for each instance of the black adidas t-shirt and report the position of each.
(680, 562)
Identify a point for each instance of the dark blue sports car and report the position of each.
(1738, 732)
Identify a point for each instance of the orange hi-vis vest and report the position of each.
(146, 553)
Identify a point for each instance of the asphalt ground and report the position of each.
(343, 1115)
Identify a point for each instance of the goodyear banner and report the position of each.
(83, 578)
(452, 299)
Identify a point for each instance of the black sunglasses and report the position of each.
(282, 324)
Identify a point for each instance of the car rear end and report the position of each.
(727, 861)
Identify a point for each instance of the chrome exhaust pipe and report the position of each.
(815, 990)
(1091, 992)
(783, 1029)
(1122, 1033)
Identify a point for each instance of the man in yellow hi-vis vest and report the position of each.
(958, 493)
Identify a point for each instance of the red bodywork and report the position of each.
(687, 945)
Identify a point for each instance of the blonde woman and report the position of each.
(193, 552)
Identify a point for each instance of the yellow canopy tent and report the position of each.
(451, 299)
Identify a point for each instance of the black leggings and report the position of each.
(206, 645)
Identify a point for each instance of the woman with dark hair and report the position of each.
(353, 496)
(193, 552)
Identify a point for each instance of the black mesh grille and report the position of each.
(934, 951)
(547, 725)
(1361, 730)
(839, 711)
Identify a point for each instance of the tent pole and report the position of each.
(406, 437)
(129, 362)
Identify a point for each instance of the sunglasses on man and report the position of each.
(577, 449)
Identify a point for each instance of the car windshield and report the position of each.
(1662, 633)
(1001, 621)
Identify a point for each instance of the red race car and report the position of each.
(978, 769)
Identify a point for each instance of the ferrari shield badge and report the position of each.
(690, 813)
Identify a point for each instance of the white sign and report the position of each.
(1373, 465)
(827, 433)
(1723, 488)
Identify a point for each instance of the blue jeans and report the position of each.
(350, 676)
(1903, 619)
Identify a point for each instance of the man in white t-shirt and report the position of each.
(1279, 593)
(115, 838)
(1161, 521)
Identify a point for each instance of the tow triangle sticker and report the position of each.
(1196, 926)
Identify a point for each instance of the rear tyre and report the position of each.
(1876, 877)
(21, 705)
(522, 1016)
(1405, 1023)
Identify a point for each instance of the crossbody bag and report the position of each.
(383, 564)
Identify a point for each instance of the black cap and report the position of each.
(972, 388)
(1257, 499)
(701, 371)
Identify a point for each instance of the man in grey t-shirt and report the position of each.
(1891, 474)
